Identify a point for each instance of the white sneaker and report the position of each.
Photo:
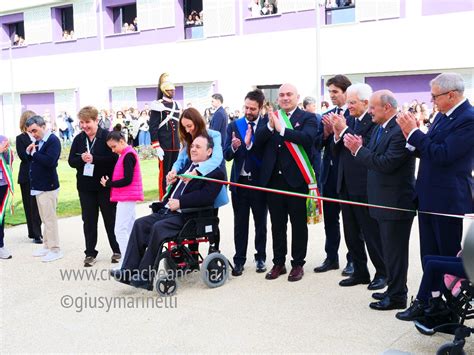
(5, 254)
(52, 256)
(40, 252)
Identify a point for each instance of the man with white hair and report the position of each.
(359, 226)
(391, 183)
(446, 152)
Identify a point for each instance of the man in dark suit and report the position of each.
(280, 171)
(246, 165)
(219, 122)
(445, 183)
(337, 87)
(391, 183)
(360, 229)
(149, 232)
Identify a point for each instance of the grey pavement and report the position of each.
(247, 314)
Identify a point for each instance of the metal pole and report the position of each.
(318, 53)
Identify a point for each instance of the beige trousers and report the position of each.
(47, 202)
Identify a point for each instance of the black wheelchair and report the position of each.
(460, 307)
(181, 254)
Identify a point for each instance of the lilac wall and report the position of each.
(39, 103)
(57, 28)
(279, 22)
(405, 87)
(435, 7)
(145, 95)
(4, 28)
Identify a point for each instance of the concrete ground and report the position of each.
(41, 312)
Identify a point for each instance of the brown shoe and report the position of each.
(296, 273)
(276, 271)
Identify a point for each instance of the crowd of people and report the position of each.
(194, 19)
(18, 40)
(130, 27)
(263, 7)
(334, 4)
(362, 151)
(68, 35)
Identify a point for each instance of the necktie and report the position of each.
(379, 134)
(248, 165)
(181, 185)
(339, 110)
(356, 124)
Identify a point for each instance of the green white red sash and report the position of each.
(313, 205)
(7, 171)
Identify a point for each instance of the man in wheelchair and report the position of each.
(149, 232)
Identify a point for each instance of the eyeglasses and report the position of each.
(434, 97)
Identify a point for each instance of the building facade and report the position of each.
(61, 55)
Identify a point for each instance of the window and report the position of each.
(16, 32)
(63, 23)
(193, 19)
(263, 7)
(340, 11)
(125, 18)
(271, 94)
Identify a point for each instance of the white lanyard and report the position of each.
(92, 145)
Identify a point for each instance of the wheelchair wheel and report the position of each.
(451, 349)
(215, 270)
(166, 286)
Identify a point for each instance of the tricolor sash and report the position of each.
(313, 205)
(7, 170)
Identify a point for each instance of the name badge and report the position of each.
(89, 169)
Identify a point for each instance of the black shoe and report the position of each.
(37, 240)
(379, 295)
(238, 270)
(414, 312)
(352, 281)
(140, 282)
(436, 307)
(121, 275)
(377, 284)
(387, 304)
(327, 265)
(349, 269)
(260, 266)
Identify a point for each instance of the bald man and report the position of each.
(390, 182)
(280, 171)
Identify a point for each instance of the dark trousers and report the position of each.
(165, 166)
(33, 220)
(91, 202)
(280, 206)
(148, 234)
(434, 268)
(244, 200)
(331, 212)
(3, 193)
(439, 235)
(395, 235)
(360, 229)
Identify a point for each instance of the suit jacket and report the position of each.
(391, 174)
(242, 153)
(43, 174)
(275, 153)
(22, 141)
(328, 157)
(350, 172)
(446, 152)
(199, 193)
(219, 123)
(317, 147)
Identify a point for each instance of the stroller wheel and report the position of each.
(166, 286)
(215, 270)
(451, 349)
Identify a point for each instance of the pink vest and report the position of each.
(132, 192)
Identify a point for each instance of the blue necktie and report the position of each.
(356, 124)
(379, 134)
(181, 185)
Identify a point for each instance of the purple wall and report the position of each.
(278, 22)
(4, 28)
(145, 95)
(39, 103)
(405, 87)
(435, 7)
(57, 28)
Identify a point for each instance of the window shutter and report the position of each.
(38, 25)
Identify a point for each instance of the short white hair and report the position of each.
(449, 82)
(363, 91)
